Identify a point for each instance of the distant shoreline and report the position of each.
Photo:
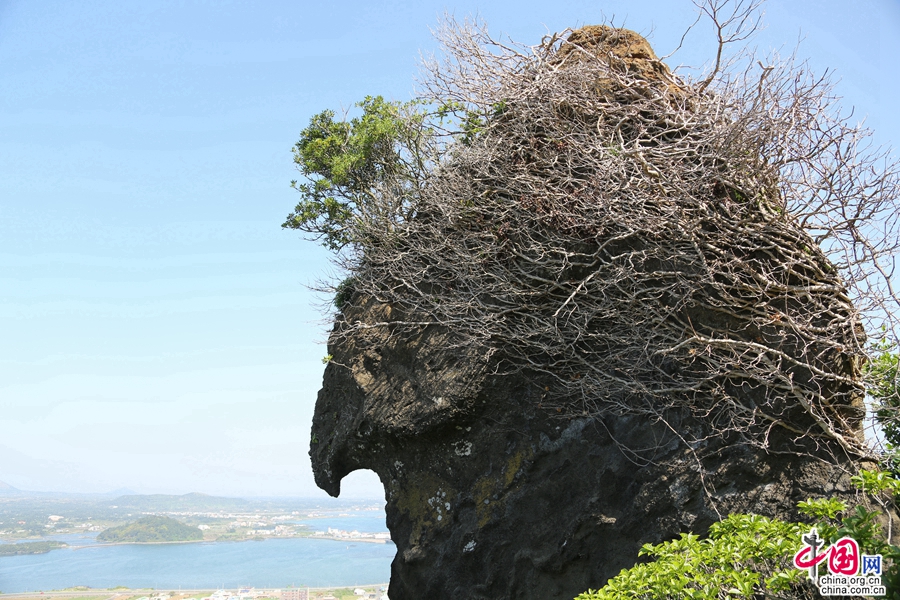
(352, 540)
(101, 544)
(126, 592)
(303, 537)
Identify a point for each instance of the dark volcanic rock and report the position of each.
(490, 496)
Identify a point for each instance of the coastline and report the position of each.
(193, 567)
(252, 539)
(121, 593)
(352, 540)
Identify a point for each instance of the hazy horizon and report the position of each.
(356, 490)
(129, 492)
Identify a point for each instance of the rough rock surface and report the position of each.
(619, 47)
(491, 495)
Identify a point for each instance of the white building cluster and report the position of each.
(340, 534)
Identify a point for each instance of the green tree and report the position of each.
(362, 172)
(882, 375)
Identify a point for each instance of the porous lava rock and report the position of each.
(490, 494)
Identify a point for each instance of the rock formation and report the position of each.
(489, 496)
(495, 493)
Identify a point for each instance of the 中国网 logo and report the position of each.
(849, 572)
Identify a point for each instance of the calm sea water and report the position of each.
(364, 523)
(268, 563)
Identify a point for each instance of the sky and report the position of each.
(157, 330)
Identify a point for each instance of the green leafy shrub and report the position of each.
(343, 292)
(881, 372)
(731, 563)
(749, 556)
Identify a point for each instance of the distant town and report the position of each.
(39, 520)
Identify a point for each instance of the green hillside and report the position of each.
(29, 548)
(151, 529)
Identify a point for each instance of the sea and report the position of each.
(269, 563)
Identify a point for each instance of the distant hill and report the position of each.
(5, 488)
(151, 529)
(185, 503)
(30, 548)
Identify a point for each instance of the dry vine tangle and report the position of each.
(651, 244)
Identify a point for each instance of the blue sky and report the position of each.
(156, 328)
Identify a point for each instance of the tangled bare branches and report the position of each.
(653, 244)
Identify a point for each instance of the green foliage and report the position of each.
(29, 548)
(875, 482)
(730, 563)
(151, 529)
(343, 292)
(882, 373)
(365, 172)
(822, 508)
(470, 122)
(346, 163)
(749, 556)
